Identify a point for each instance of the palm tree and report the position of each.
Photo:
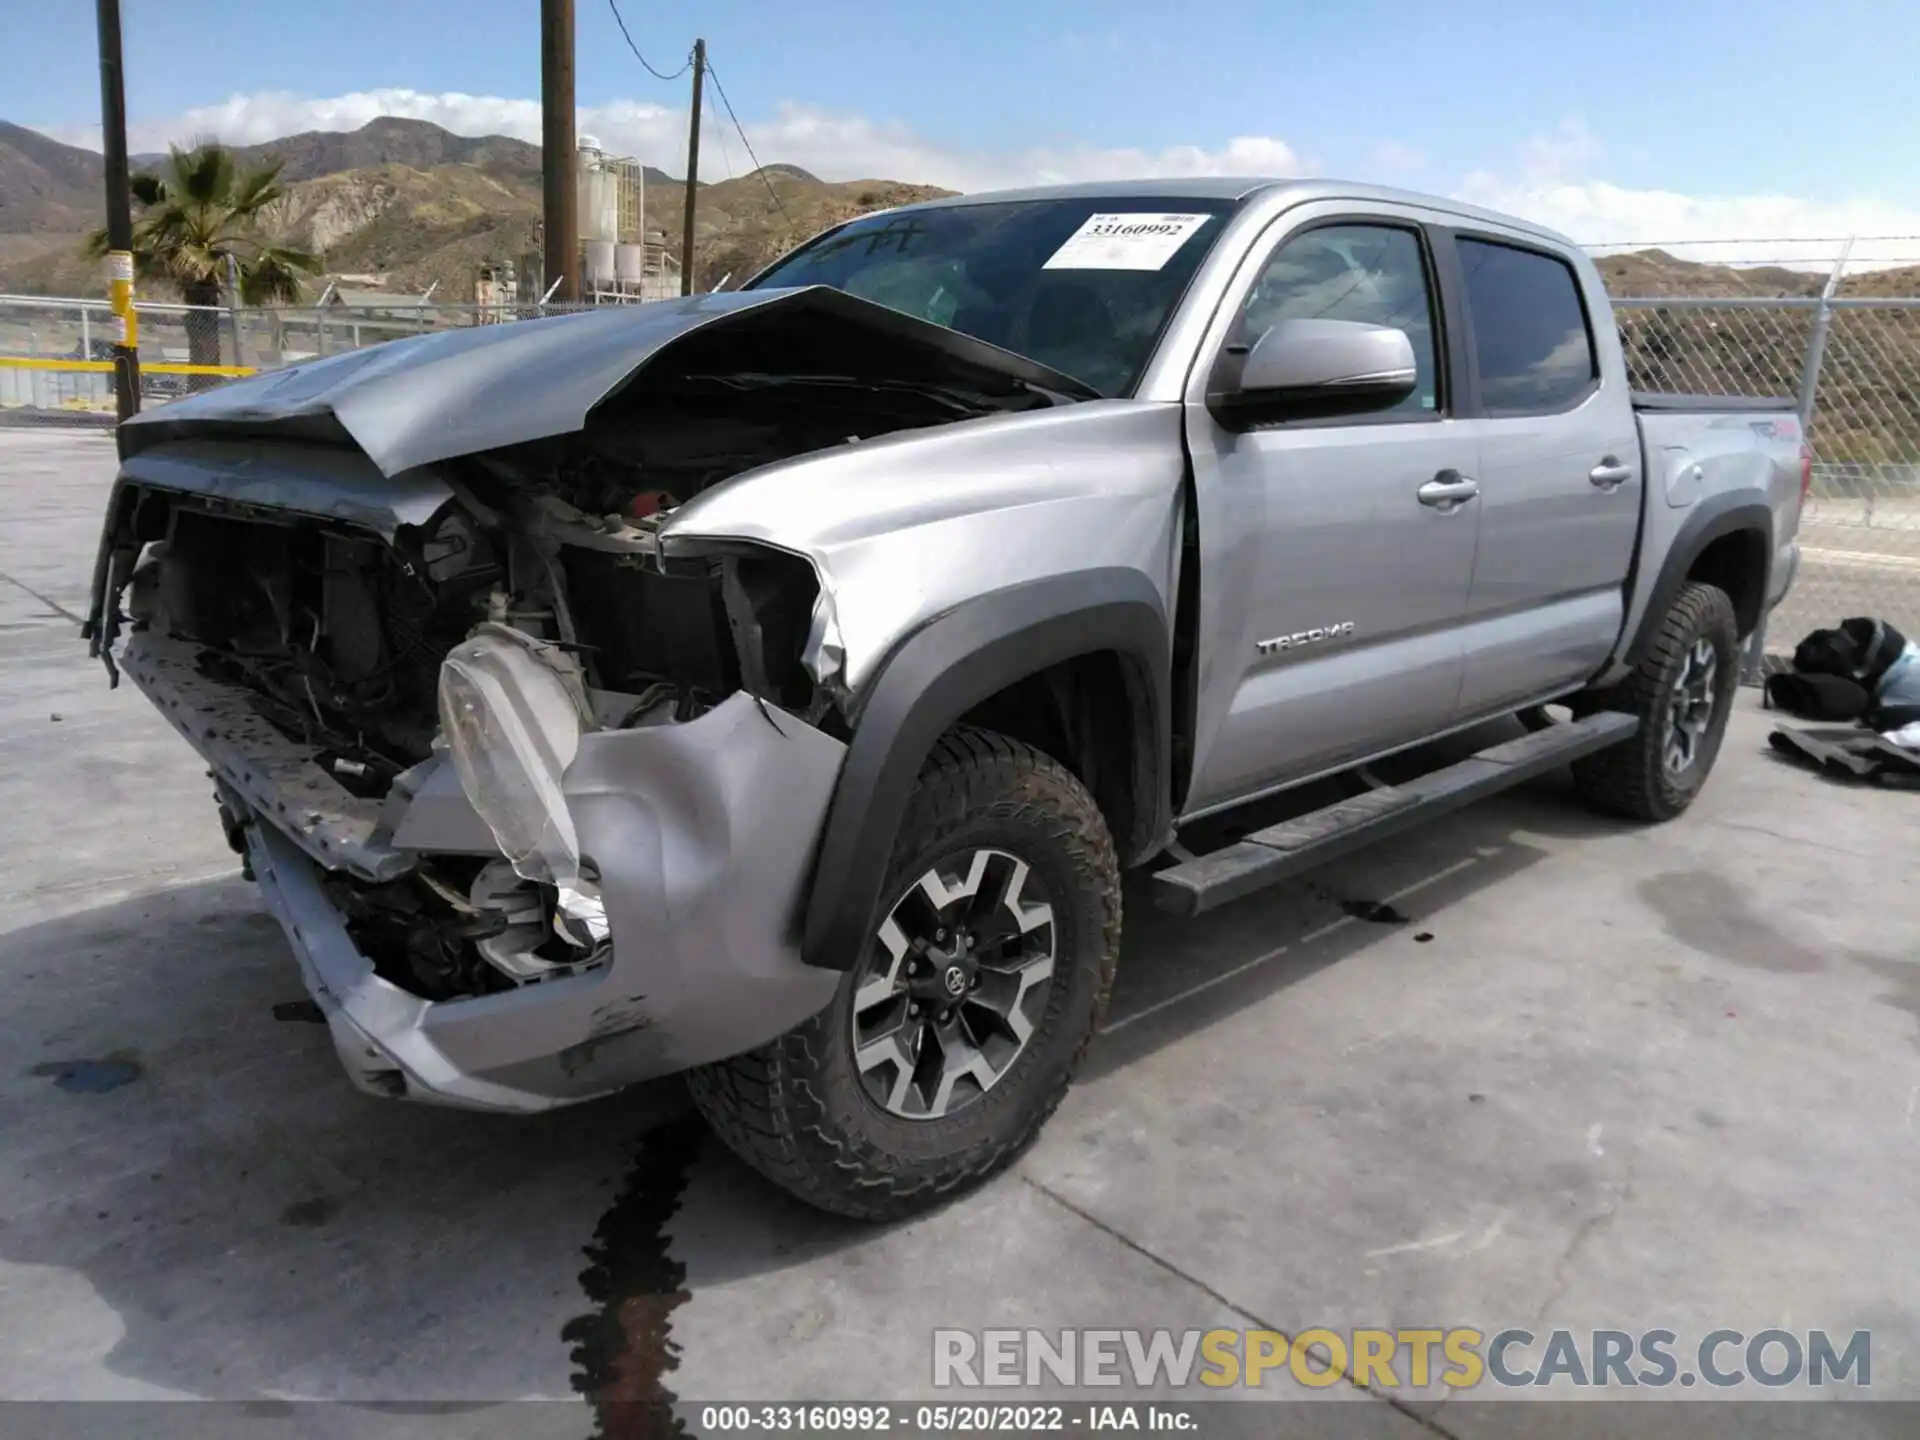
(202, 219)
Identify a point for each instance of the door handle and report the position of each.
(1447, 490)
(1610, 474)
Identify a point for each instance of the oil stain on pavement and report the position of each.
(310, 1214)
(91, 1077)
(623, 1351)
(1374, 912)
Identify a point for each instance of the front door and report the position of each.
(1335, 556)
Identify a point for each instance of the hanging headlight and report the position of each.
(513, 722)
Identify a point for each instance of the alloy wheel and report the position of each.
(953, 985)
(1690, 707)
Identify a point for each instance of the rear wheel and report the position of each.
(1682, 690)
(957, 1030)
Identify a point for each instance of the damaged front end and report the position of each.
(533, 793)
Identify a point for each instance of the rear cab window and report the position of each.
(1532, 340)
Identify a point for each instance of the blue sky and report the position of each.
(1708, 115)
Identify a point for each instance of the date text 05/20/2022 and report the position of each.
(927, 1419)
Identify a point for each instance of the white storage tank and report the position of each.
(598, 194)
(629, 264)
(600, 263)
(599, 206)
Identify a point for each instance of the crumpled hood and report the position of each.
(427, 398)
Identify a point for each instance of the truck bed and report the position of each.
(1661, 400)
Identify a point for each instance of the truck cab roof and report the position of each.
(1246, 188)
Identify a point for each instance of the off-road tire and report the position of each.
(795, 1109)
(1632, 779)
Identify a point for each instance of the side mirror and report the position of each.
(1313, 369)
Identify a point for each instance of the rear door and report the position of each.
(1334, 569)
(1560, 475)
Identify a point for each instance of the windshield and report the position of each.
(1084, 286)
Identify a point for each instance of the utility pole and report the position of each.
(558, 163)
(693, 169)
(113, 141)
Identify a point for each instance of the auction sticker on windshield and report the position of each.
(1125, 242)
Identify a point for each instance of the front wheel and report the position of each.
(956, 1031)
(1683, 691)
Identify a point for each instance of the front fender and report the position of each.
(955, 561)
(908, 527)
(942, 671)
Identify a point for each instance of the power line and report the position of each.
(658, 75)
(739, 130)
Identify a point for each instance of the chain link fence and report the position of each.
(1853, 367)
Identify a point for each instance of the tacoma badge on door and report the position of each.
(1304, 637)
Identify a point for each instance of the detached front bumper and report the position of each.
(703, 834)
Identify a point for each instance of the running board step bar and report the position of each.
(1282, 851)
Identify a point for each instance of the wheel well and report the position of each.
(1086, 713)
(1736, 563)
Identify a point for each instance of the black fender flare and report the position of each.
(1708, 521)
(944, 669)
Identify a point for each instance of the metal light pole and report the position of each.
(558, 163)
(113, 141)
(693, 169)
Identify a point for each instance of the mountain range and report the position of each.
(415, 204)
(420, 206)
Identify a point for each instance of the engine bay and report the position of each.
(340, 634)
(336, 636)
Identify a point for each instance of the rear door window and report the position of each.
(1530, 331)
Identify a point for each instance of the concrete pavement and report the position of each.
(1568, 1073)
(1857, 557)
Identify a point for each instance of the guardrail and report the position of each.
(55, 353)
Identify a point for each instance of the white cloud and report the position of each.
(1568, 151)
(1552, 178)
(833, 145)
(1394, 155)
(1727, 229)
(1553, 183)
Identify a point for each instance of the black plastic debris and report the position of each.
(1850, 755)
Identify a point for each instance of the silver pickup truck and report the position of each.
(774, 685)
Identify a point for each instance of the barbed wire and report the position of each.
(1751, 240)
(1852, 263)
